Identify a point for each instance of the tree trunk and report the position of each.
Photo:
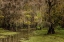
(51, 29)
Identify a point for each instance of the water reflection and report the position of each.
(22, 35)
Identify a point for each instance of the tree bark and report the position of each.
(51, 29)
(50, 5)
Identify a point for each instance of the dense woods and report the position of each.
(16, 14)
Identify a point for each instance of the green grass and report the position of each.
(7, 32)
(40, 36)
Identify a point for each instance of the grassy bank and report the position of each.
(4, 33)
(40, 36)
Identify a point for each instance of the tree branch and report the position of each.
(54, 3)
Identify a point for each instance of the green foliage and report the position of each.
(58, 27)
(28, 22)
(38, 27)
(38, 14)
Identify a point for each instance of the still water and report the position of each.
(22, 35)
